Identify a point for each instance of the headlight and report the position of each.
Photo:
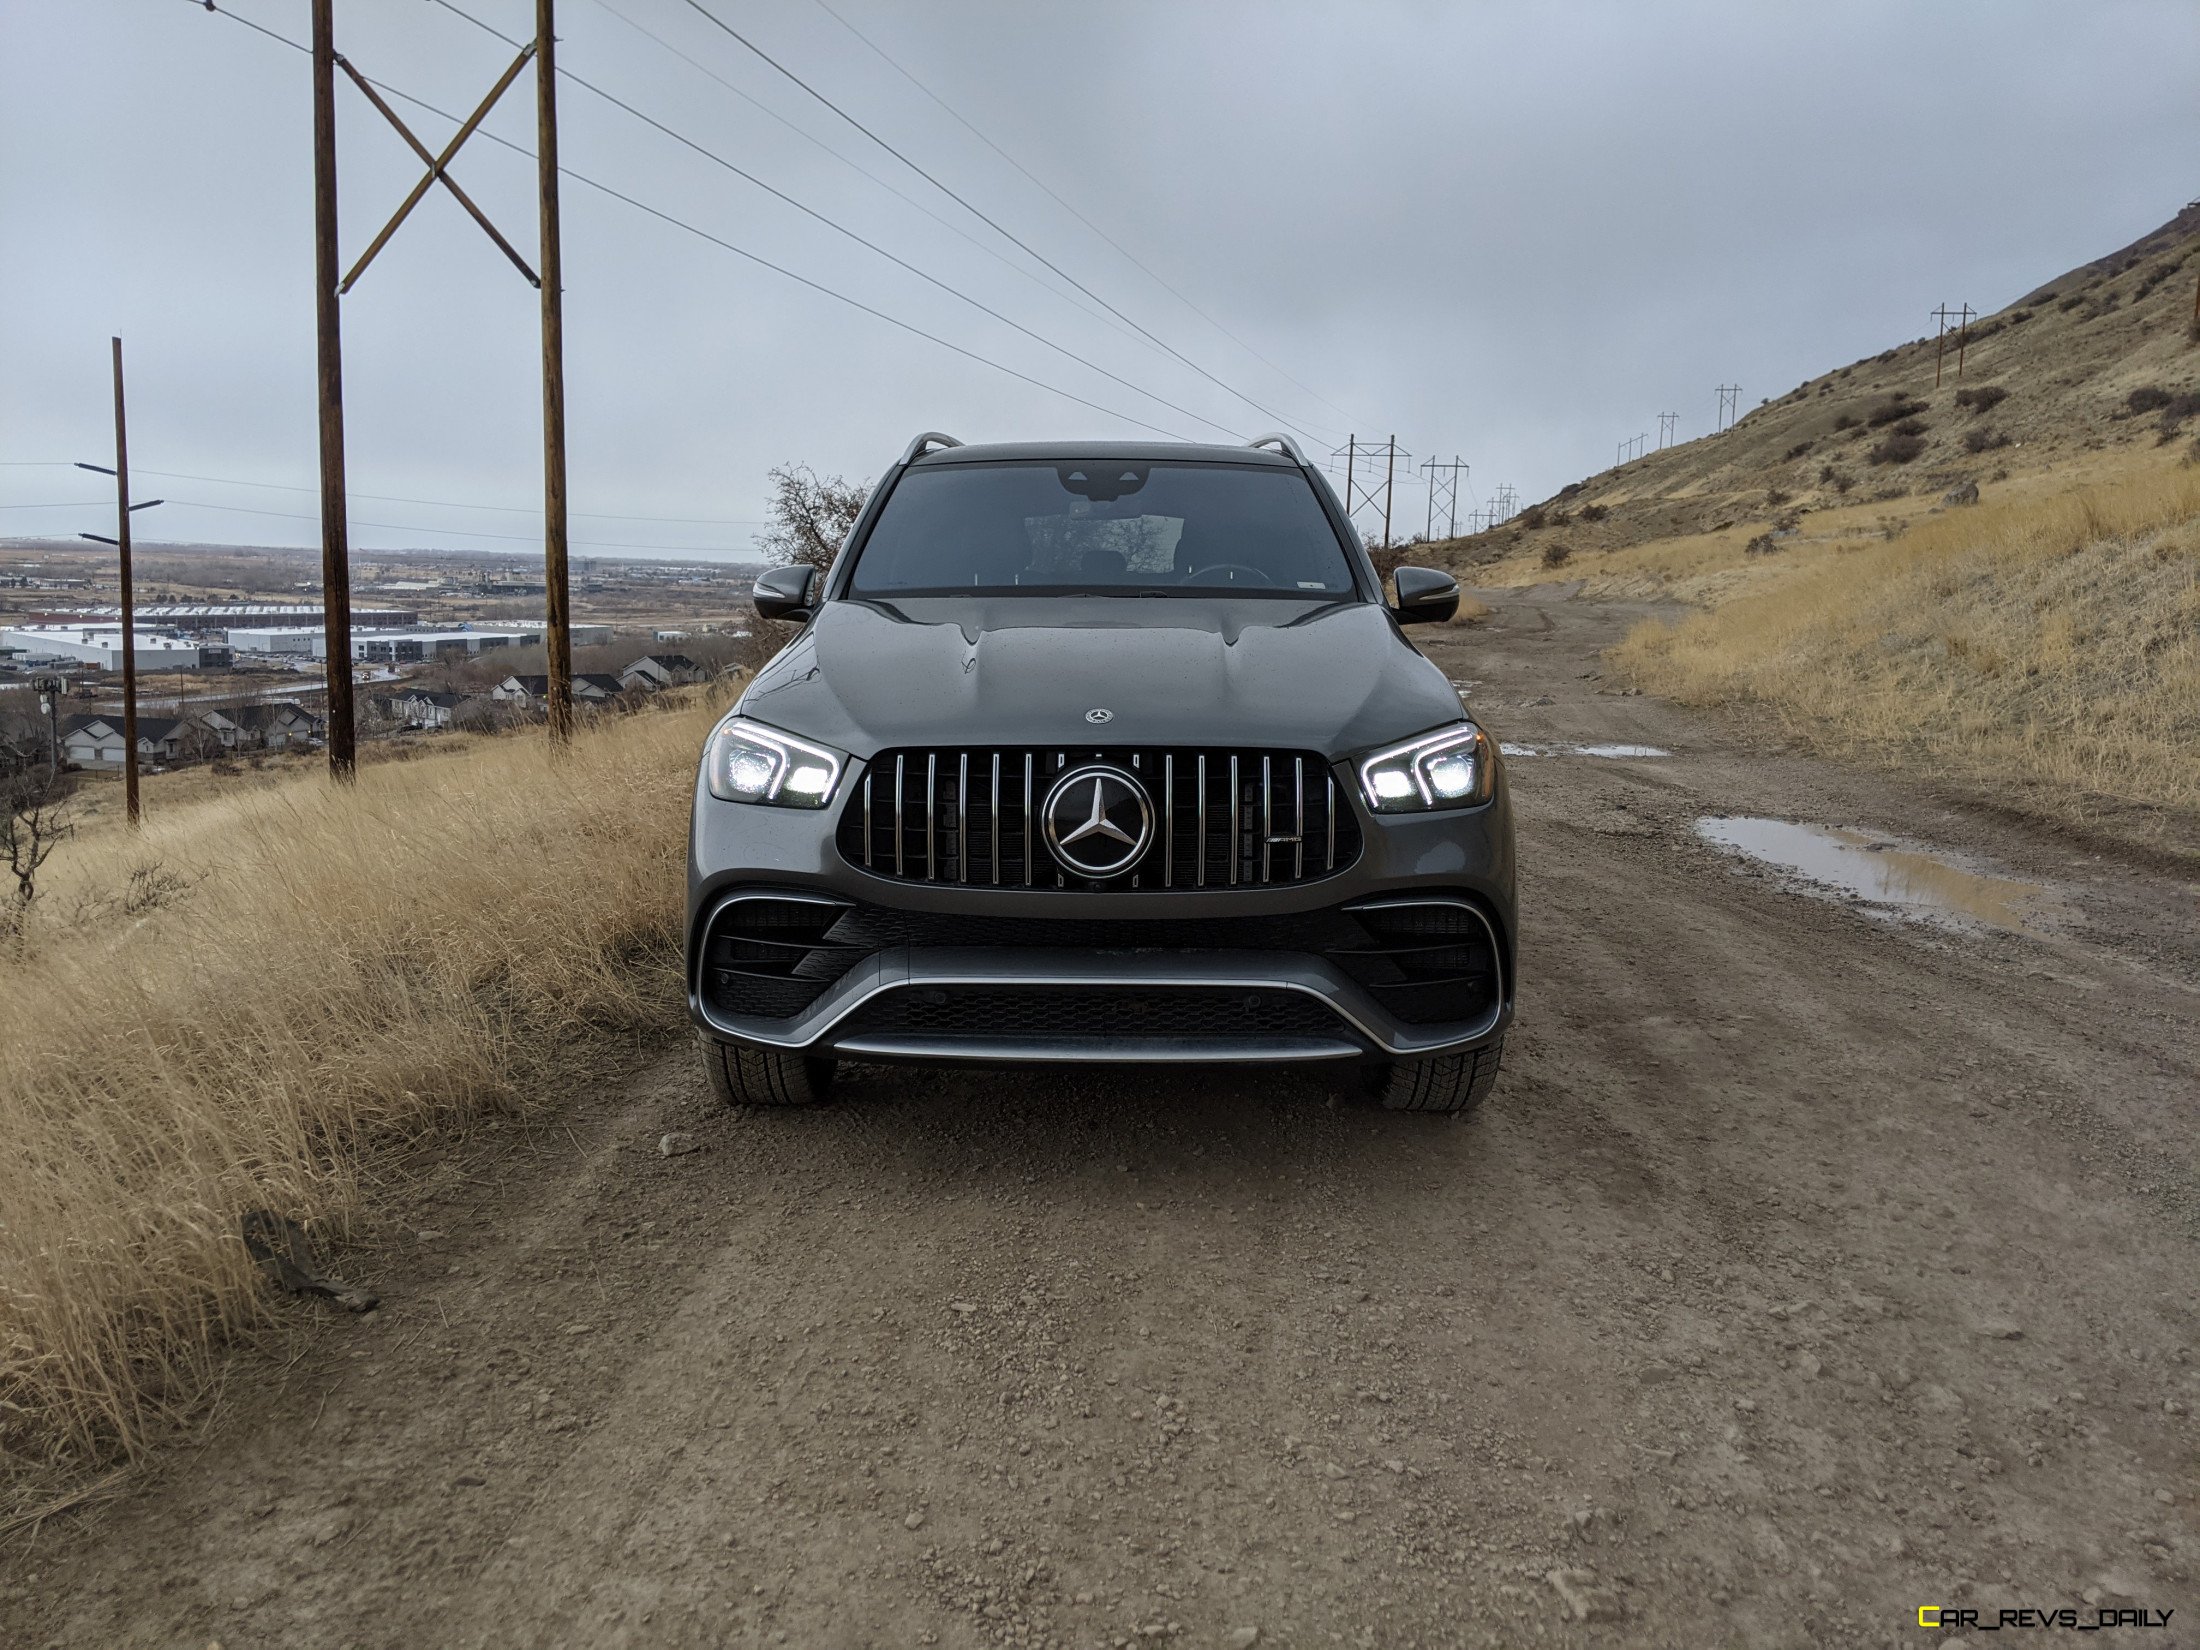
(746, 761)
(1453, 768)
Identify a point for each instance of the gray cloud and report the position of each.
(1513, 232)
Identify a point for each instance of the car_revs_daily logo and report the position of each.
(1952, 1617)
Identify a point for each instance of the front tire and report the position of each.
(741, 1076)
(1450, 1083)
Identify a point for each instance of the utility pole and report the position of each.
(121, 542)
(1443, 481)
(1730, 401)
(1962, 318)
(559, 642)
(1390, 473)
(1667, 423)
(329, 356)
(335, 547)
(1354, 493)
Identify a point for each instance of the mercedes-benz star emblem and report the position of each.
(1099, 713)
(1097, 820)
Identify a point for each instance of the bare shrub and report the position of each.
(811, 515)
(1983, 440)
(1898, 448)
(1594, 512)
(2147, 397)
(1982, 399)
(1893, 410)
(1557, 555)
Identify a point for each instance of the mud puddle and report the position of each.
(1899, 878)
(1618, 753)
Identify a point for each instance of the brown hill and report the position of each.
(2105, 356)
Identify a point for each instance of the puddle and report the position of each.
(1901, 879)
(1617, 752)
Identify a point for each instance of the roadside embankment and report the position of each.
(228, 1010)
(2046, 648)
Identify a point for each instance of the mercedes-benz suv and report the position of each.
(1101, 752)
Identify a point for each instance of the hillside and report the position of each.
(2101, 358)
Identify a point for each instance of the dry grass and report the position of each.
(224, 1012)
(2049, 643)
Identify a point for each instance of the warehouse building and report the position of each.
(99, 646)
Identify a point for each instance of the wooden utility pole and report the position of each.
(558, 643)
(328, 321)
(129, 601)
(1390, 475)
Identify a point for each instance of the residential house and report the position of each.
(261, 725)
(428, 708)
(589, 688)
(96, 741)
(660, 670)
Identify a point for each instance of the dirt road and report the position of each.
(1807, 1268)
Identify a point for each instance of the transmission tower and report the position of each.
(1443, 486)
(1356, 492)
(1667, 424)
(1730, 403)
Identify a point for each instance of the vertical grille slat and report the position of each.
(1256, 800)
(1298, 817)
(1168, 820)
(1202, 822)
(900, 838)
(962, 819)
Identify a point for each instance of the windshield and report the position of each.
(1116, 528)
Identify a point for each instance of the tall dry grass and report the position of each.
(226, 1011)
(2048, 645)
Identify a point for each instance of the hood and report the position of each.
(870, 675)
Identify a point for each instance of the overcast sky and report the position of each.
(1510, 232)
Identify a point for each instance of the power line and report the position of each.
(430, 532)
(982, 217)
(394, 498)
(729, 246)
(957, 116)
(1082, 306)
(838, 228)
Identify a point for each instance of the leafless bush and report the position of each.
(1983, 440)
(1557, 555)
(1893, 410)
(1594, 512)
(811, 515)
(1982, 399)
(1898, 448)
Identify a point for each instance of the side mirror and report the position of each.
(1425, 596)
(784, 592)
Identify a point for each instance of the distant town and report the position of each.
(232, 650)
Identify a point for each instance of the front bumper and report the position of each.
(902, 971)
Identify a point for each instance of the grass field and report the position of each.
(2046, 644)
(223, 1012)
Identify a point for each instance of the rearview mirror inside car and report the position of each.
(1425, 596)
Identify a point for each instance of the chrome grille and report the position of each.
(1223, 818)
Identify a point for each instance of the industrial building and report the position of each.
(197, 617)
(99, 646)
(373, 645)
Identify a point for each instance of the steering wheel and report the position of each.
(1198, 575)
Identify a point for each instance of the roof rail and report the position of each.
(925, 443)
(1282, 443)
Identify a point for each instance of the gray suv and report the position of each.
(1101, 752)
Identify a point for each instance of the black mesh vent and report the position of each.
(1223, 818)
(769, 957)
